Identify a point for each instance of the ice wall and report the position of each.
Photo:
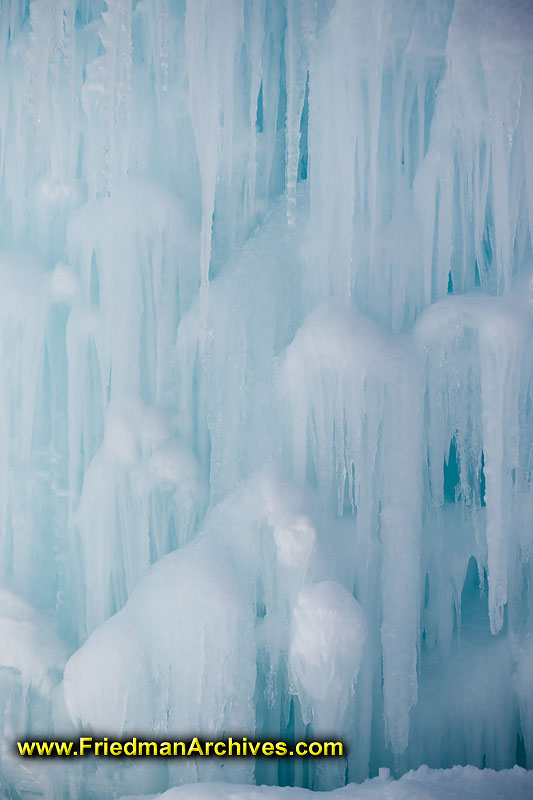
(266, 384)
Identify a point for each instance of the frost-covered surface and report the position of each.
(423, 784)
(266, 388)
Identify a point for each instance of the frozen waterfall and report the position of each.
(266, 390)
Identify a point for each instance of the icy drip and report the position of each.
(483, 343)
(332, 209)
(525, 691)
(300, 29)
(527, 110)
(478, 171)
(163, 22)
(211, 43)
(336, 444)
(110, 480)
(51, 58)
(142, 497)
(133, 303)
(261, 621)
(368, 131)
(36, 112)
(257, 22)
(349, 390)
(501, 360)
(229, 393)
(106, 100)
(477, 202)
(22, 341)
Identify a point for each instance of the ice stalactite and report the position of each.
(106, 101)
(347, 382)
(369, 120)
(483, 343)
(300, 17)
(211, 54)
(23, 399)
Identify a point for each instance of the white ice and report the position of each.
(266, 390)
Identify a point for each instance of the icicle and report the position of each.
(256, 33)
(211, 41)
(106, 100)
(482, 341)
(297, 43)
(354, 396)
(142, 497)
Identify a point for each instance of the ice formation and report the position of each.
(266, 426)
(424, 784)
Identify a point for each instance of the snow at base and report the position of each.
(459, 783)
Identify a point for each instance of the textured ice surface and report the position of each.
(266, 389)
(424, 784)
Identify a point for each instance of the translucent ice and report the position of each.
(266, 387)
